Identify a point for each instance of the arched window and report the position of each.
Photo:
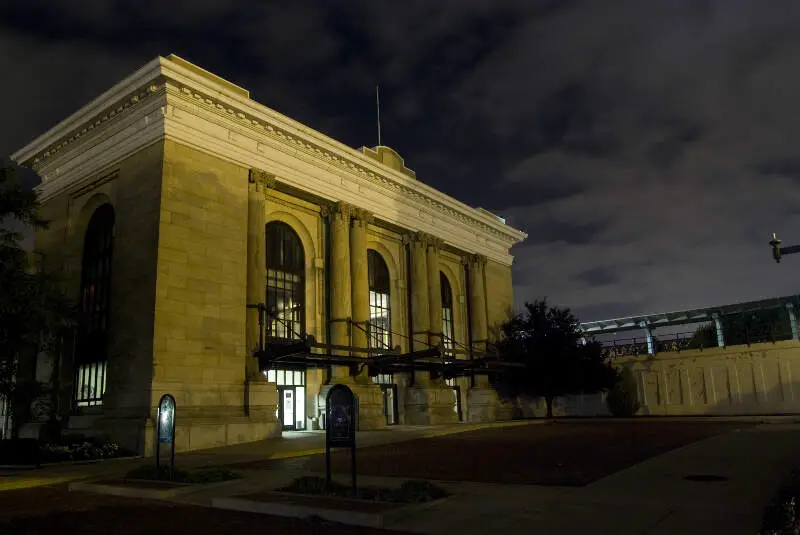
(285, 283)
(91, 347)
(448, 335)
(380, 322)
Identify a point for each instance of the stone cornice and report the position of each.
(248, 129)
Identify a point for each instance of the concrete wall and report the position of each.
(762, 379)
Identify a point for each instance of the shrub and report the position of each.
(622, 399)
(782, 516)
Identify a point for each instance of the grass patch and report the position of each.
(198, 477)
(414, 491)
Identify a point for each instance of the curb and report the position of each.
(154, 494)
(376, 519)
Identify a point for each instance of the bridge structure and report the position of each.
(699, 328)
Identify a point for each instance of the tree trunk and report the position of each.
(549, 401)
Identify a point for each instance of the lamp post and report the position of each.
(778, 251)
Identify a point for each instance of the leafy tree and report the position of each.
(622, 399)
(547, 342)
(33, 311)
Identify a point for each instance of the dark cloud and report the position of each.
(647, 147)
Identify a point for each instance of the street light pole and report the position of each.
(778, 251)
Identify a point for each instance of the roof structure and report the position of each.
(683, 317)
(170, 98)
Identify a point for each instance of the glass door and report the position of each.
(288, 404)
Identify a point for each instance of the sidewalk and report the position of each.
(292, 444)
(651, 498)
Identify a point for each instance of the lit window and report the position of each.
(285, 283)
(91, 346)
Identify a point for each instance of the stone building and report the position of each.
(195, 226)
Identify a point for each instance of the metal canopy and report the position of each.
(301, 353)
(685, 316)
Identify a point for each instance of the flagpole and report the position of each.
(378, 106)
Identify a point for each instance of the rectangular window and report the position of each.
(383, 379)
(284, 305)
(90, 384)
(380, 327)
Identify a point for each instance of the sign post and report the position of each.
(340, 431)
(165, 431)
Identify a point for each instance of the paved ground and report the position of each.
(563, 453)
(651, 497)
(51, 510)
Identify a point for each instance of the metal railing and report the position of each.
(698, 339)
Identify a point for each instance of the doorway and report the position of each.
(390, 403)
(389, 390)
(291, 397)
(456, 398)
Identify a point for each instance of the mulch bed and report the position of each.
(560, 453)
(55, 510)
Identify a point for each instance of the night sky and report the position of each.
(648, 148)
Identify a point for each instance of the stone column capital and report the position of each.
(476, 260)
(261, 180)
(361, 217)
(342, 211)
(434, 243)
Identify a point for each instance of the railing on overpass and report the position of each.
(768, 320)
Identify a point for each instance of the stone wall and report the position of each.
(133, 188)
(200, 309)
(761, 379)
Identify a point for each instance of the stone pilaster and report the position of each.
(261, 398)
(482, 400)
(427, 402)
(434, 291)
(359, 272)
(341, 309)
(256, 260)
(477, 302)
(420, 320)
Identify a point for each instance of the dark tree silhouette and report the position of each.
(547, 342)
(33, 311)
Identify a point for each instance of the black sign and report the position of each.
(165, 430)
(340, 426)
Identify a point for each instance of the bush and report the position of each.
(408, 492)
(80, 448)
(200, 477)
(622, 399)
(782, 516)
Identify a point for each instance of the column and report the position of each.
(258, 182)
(359, 273)
(340, 281)
(420, 317)
(648, 333)
(434, 291)
(792, 320)
(477, 303)
(718, 329)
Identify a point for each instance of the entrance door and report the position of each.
(390, 403)
(457, 402)
(288, 408)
